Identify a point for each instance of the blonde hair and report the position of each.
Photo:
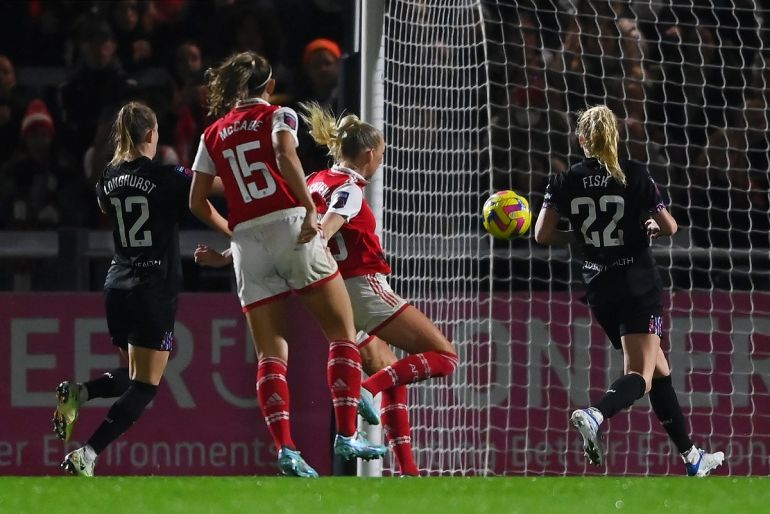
(345, 137)
(599, 128)
(131, 125)
(239, 76)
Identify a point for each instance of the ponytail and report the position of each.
(599, 128)
(131, 125)
(239, 76)
(345, 137)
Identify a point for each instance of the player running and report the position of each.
(349, 224)
(145, 201)
(276, 249)
(617, 214)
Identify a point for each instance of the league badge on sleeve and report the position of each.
(340, 199)
(290, 120)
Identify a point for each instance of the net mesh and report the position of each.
(481, 96)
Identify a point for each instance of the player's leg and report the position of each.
(666, 406)
(272, 387)
(71, 395)
(151, 313)
(377, 355)
(431, 354)
(639, 353)
(330, 304)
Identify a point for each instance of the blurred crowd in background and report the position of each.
(66, 67)
(687, 78)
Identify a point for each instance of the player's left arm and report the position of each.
(660, 223)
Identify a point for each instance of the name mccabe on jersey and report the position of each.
(252, 125)
(141, 183)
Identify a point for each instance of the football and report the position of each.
(507, 215)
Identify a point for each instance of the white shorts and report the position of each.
(270, 264)
(374, 304)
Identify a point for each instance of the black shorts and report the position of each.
(141, 317)
(627, 302)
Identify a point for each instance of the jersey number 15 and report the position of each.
(243, 169)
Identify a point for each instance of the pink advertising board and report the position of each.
(541, 357)
(521, 376)
(204, 420)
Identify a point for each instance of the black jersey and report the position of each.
(608, 217)
(145, 201)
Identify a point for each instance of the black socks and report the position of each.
(621, 394)
(123, 413)
(666, 406)
(110, 385)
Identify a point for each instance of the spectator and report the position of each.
(13, 101)
(41, 185)
(134, 44)
(190, 101)
(320, 65)
(98, 81)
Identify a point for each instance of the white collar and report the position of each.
(347, 171)
(250, 101)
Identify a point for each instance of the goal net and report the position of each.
(482, 95)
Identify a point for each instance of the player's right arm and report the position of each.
(546, 226)
(345, 203)
(202, 184)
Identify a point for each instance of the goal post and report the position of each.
(476, 96)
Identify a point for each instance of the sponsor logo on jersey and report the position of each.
(340, 200)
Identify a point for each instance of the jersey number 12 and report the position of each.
(133, 238)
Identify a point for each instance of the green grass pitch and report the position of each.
(274, 495)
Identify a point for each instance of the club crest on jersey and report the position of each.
(340, 200)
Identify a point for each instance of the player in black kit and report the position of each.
(614, 215)
(145, 201)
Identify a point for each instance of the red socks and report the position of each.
(395, 424)
(343, 373)
(273, 395)
(411, 369)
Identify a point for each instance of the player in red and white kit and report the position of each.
(275, 247)
(380, 315)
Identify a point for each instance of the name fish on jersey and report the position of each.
(596, 181)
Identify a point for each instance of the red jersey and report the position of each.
(355, 247)
(238, 147)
